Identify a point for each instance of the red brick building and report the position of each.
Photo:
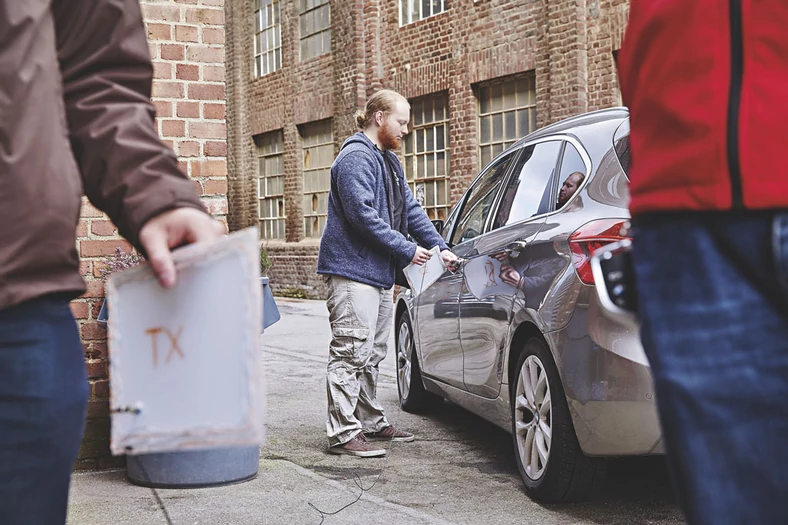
(478, 74)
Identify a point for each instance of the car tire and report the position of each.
(413, 397)
(548, 456)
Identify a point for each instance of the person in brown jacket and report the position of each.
(75, 115)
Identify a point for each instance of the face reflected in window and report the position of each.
(569, 187)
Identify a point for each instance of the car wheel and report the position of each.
(412, 395)
(549, 458)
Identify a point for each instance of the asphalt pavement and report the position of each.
(460, 469)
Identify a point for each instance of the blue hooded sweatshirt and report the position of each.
(358, 242)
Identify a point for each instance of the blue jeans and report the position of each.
(713, 306)
(43, 398)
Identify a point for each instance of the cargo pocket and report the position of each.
(348, 342)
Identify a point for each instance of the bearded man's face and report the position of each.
(394, 126)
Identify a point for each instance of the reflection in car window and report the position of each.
(470, 222)
(525, 193)
(571, 176)
(622, 152)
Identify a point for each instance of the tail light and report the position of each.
(590, 237)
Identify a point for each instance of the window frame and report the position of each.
(305, 214)
(276, 27)
(260, 156)
(515, 153)
(530, 108)
(515, 172)
(302, 36)
(556, 175)
(404, 8)
(411, 160)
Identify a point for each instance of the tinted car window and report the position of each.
(526, 191)
(481, 196)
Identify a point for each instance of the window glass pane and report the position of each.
(479, 201)
(484, 100)
(506, 114)
(485, 131)
(318, 152)
(497, 127)
(414, 10)
(571, 177)
(271, 207)
(510, 126)
(527, 194)
(425, 156)
(267, 38)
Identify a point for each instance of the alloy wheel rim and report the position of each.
(533, 413)
(404, 352)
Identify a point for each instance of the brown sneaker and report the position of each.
(390, 434)
(358, 446)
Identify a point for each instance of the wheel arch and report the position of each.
(524, 331)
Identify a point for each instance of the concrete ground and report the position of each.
(460, 470)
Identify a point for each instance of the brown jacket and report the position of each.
(75, 116)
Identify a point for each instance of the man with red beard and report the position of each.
(371, 211)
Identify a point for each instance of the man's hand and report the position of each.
(171, 229)
(421, 256)
(509, 275)
(449, 259)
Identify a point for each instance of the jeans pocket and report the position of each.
(780, 247)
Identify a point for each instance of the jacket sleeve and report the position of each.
(127, 171)
(355, 177)
(419, 225)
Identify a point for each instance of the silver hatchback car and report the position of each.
(516, 333)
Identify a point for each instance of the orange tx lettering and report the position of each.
(174, 345)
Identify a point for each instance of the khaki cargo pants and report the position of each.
(360, 317)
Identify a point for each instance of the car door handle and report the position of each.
(516, 246)
(454, 268)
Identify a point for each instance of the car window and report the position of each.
(622, 152)
(447, 227)
(572, 175)
(526, 190)
(481, 196)
(621, 145)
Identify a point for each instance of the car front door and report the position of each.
(496, 262)
(437, 309)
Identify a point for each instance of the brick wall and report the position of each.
(187, 47)
(566, 44)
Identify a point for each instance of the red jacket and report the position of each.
(706, 82)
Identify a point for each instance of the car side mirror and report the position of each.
(438, 225)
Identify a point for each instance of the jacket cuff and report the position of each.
(155, 203)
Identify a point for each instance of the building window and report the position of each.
(271, 184)
(315, 19)
(318, 147)
(415, 10)
(267, 37)
(507, 112)
(427, 154)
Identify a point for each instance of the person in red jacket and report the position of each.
(705, 84)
